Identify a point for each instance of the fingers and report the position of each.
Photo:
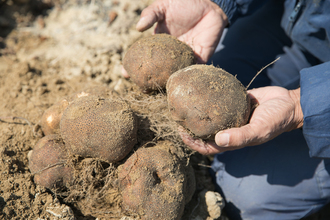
(161, 28)
(145, 23)
(206, 148)
(149, 17)
(246, 135)
(200, 59)
(124, 73)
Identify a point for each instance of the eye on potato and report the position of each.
(100, 128)
(47, 163)
(205, 100)
(151, 60)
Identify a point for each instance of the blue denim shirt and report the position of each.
(307, 23)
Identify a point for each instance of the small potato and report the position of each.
(47, 163)
(205, 100)
(50, 120)
(154, 183)
(151, 60)
(101, 128)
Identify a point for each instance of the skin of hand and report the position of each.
(278, 110)
(198, 23)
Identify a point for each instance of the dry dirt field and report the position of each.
(51, 49)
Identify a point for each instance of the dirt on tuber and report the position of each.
(48, 163)
(100, 128)
(155, 183)
(50, 120)
(151, 60)
(205, 100)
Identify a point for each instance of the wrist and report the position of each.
(228, 8)
(221, 12)
(298, 118)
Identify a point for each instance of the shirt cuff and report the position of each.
(315, 104)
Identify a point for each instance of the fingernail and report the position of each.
(222, 139)
(141, 23)
(124, 72)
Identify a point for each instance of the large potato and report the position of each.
(151, 60)
(101, 128)
(154, 183)
(205, 100)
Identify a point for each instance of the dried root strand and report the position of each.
(2, 119)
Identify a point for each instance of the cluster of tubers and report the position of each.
(96, 123)
(90, 123)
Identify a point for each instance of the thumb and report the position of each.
(149, 17)
(236, 137)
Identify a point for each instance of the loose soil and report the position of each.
(53, 49)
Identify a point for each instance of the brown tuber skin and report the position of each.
(151, 60)
(205, 100)
(50, 120)
(100, 128)
(47, 163)
(154, 184)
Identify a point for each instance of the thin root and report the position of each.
(261, 71)
(13, 118)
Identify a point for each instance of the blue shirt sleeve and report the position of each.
(238, 8)
(315, 103)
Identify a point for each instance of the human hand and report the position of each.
(278, 111)
(124, 72)
(199, 23)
